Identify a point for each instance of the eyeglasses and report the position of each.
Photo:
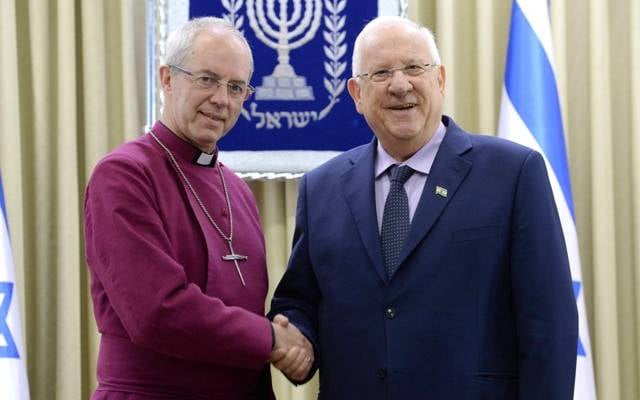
(236, 90)
(384, 74)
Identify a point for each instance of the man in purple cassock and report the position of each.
(175, 248)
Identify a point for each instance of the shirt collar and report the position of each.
(182, 148)
(421, 161)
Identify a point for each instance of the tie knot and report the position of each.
(401, 173)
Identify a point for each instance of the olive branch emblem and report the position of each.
(233, 7)
(335, 49)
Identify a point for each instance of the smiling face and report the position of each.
(404, 111)
(204, 116)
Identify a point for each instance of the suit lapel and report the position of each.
(447, 173)
(358, 188)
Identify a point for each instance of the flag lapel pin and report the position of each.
(440, 191)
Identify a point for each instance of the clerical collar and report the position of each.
(183, 149)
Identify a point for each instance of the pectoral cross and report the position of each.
(235, 258)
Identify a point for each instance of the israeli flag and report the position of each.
(13, 373)
(530, 115)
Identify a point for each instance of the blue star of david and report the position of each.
(9, 350)
(576, 292)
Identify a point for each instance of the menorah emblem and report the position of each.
(284, 31)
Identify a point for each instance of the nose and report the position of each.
(219, 94)
(399, 84)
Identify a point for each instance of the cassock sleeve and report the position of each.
(129, 254)
(547, 321)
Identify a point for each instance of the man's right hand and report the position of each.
(292, 353)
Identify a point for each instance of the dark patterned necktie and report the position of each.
(395, 219)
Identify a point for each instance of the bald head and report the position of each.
(380, 26)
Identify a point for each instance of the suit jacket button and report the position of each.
(390, 313)
(381, 373)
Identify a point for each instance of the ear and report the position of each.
(164, 74)
(355, 91)
(442, 77)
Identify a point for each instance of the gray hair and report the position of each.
(386, 20)
(180, 42)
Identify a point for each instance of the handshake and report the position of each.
(292, 353)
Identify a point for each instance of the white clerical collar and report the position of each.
(205, 159)
(184, 149)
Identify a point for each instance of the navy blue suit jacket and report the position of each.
(481, 305)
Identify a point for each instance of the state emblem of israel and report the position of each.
(301, 112)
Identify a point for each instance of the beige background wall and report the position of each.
(72, 88)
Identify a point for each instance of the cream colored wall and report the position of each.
(72, 87)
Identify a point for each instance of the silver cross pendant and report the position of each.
(235, 258)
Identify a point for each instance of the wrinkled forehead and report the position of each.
(219, 40)
(219, 47)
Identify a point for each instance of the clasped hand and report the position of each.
(292, 353)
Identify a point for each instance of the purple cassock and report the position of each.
(175, 320)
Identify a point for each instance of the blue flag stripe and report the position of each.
(2, 206)
(531, 86)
